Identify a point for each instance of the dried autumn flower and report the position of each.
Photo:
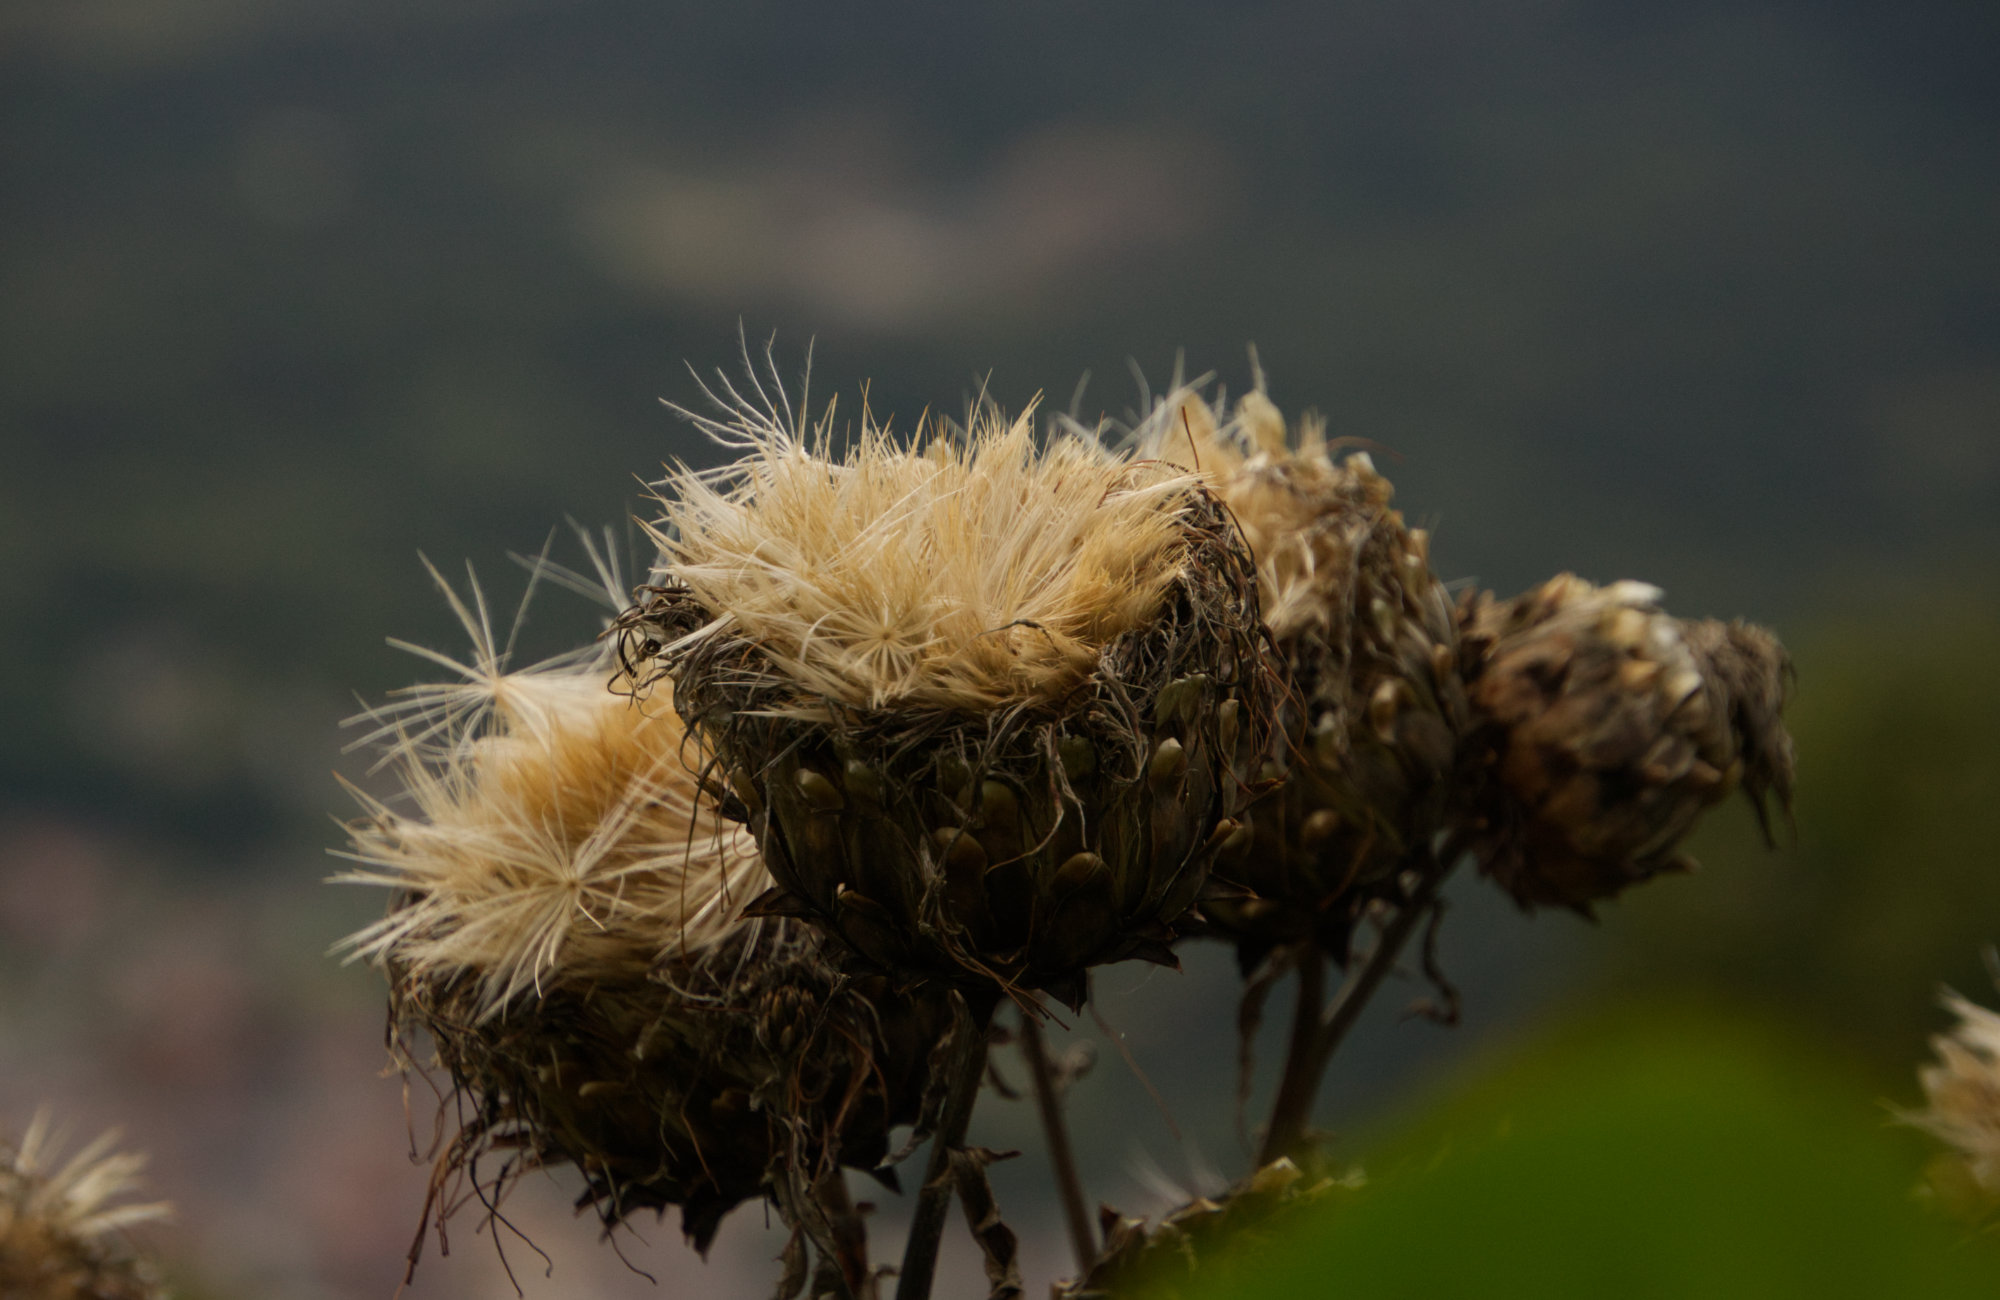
(62, 1220)
(983, 700)
(567, 928)
(1367, 637)
(1962, 1108)
(1604, 727)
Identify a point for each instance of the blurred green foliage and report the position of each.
(1655, 1154)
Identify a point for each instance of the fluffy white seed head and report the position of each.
(548, 830)
(977, 569)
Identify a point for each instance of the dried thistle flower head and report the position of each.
(1605, 728)
(1305, 514)
(61, 1220)
(1962, 1110)
(567, 929)
(981, 697)
(549, 829)
(1369, 643)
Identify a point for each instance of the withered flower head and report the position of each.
(556, 833)
(979, 695)
(567, 928)
(1369, 643)
(1605, 727)
(62, 1220)
(1962, 1095)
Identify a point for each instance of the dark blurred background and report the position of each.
(1706, 294)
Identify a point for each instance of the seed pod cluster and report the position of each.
(1604, 727)
(1044, 795)
(567, 930)
(61, 1221)
(1368, 727)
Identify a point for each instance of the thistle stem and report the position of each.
(1062, 1156)
(848, 1233)
(1299, 1085)
(965, 1068)
(1313, 1045)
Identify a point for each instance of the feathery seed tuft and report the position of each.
(568, 930)
(61, 1220)
(975, 571)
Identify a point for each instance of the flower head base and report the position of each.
(754, 1074)
(60, 1220)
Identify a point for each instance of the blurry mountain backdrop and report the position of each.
(1704, 294)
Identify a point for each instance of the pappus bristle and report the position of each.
(430, 717)
(975, 569)
(547, 829)
(60, 1218)
(1298, 506)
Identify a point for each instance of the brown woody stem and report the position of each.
(1315, 1040)
(1291, 1110)
(966, 1068)
(1062, 1156)
(848, 1233)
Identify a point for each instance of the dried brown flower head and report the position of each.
(981, 698)
(567, 929)
(1368, 641)
(1605, 727)
(62, 1220)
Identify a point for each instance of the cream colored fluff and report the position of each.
(1963, 1091)
(973, 571)
(550, 830)
(1285, 494)
(79, 1198)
